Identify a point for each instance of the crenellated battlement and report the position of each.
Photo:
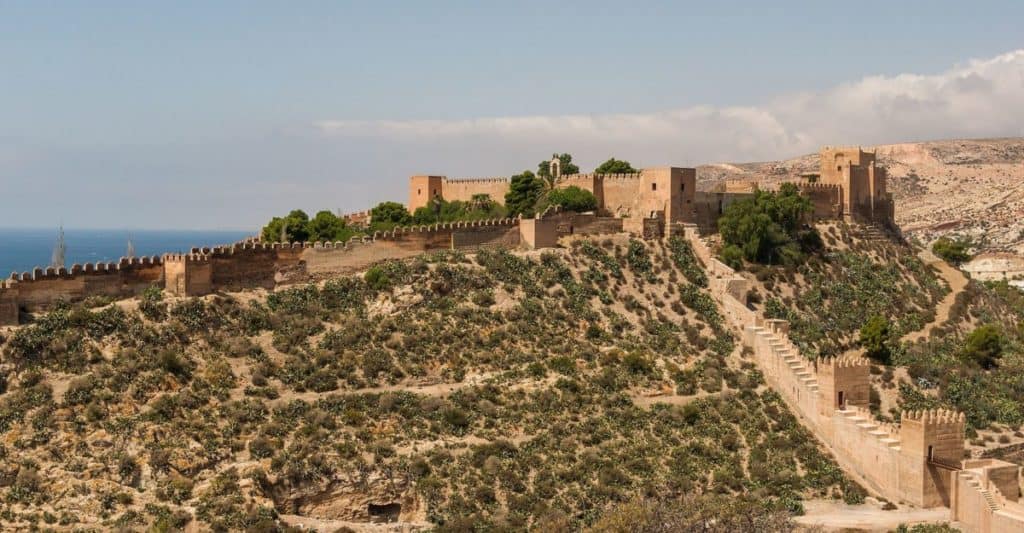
(193, 257)
(475, 180)
(593, 176)
(842, 361)
(51, 273)
(934, 417)
(816, 186)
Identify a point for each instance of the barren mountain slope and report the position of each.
(972, 187)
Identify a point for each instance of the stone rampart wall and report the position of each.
(621, 193)
(44, 287)
(464, 189)
(588, 224)
(830, 397)
(984, 497)
(243, 265)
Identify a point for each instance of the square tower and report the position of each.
(188, 274)
(843, 382)
(863, 183)
(423, 189)
(931, 449)
(667, 191)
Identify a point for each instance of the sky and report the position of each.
(220, 115)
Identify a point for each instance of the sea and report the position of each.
(21, 250)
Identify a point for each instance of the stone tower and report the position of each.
(863, 183)
(423, 189)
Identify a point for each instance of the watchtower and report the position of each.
(931, 448)
(863, 183)
(188, 274)
(424, 189)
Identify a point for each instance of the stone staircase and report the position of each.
(875, 232)
(796, 363)
(990, 499)
(864, 421)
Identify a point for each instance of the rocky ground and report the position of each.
(965, 187)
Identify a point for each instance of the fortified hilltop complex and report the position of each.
(918, 462)
(849, 187)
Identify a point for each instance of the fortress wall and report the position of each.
(464, 189)
(870, 449)
(319, 259)
(903, 464)
(476, 237)
(984, 497)
(357, 255)
(242, 266)
(590, 224)
(538, 232)
(709, 206)
(44, 287)
(141, 273)
(621, 192)
(773, 353)
(826, 198)
(8, 303)
(739, 186)
(587, 182)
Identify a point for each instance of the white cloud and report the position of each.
(981, 98)
(337, 164)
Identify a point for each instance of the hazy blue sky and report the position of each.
(220, 114)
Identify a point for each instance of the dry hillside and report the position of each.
(970, 187)
(491, 392)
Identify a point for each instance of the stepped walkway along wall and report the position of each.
(918, 462)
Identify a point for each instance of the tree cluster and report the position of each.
(615, 166)
(296, 226)
(768, 228)
(479, 207)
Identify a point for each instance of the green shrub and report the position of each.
(984, 346)
(152, 305)
(684, 258)
(875, 337)
(953, 251)
(572, 198)
(732, 256)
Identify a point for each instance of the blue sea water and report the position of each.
(23, 249)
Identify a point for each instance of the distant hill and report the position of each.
(970, 187)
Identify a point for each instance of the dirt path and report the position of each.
(439, 390)
(957, 283)
(837, 516)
